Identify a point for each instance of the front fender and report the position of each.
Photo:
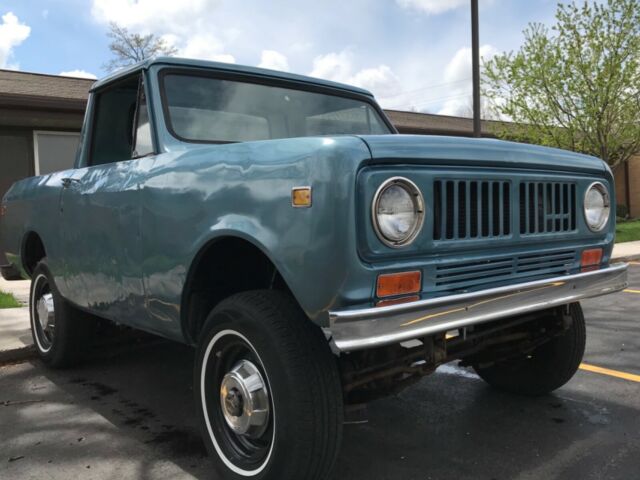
(244, 190)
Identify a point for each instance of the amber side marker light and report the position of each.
(301, 196)
(391, 284)
(3, 210)
(591, 259)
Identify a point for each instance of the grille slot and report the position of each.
(547, 207)
(463, 275)
(466, 209)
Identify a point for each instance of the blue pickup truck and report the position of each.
(314, 257)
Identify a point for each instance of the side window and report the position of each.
(118, 122)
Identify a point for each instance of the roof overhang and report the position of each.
(36, 102)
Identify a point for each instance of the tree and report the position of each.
(576, 85)
(129, 48)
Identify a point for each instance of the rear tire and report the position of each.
(295, 427)
(547, 368)
(60, 332)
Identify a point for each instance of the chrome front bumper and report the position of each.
(358, 329)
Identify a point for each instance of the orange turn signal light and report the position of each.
(391, 284)
(301, 196)
(591, 259)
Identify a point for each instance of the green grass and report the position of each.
(628, 231)
(8, 301)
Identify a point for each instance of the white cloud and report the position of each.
(333, 66)
(380, 80)
(204, 46)
(459, 67)
(274, 60)
(457, 75)
(78, 74)
(12, 34)
(187, 24)
(433, 7)
(150, 15)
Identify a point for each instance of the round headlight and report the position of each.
(597, 207)
(398, 212)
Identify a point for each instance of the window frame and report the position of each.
(62, 133)
(142, 89)
(140, 74)
(256, 80)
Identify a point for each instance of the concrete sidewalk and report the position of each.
(626, 252)
(15, 332)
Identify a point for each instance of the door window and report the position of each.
(121, 129)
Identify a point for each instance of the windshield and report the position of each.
(206, 109)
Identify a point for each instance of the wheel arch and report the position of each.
(226, 264)
(32, 250)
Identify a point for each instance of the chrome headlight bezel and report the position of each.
(604, 221)
(418, 207)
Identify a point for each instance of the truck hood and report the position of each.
(441, 150)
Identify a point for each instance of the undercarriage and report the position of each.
(375, 373)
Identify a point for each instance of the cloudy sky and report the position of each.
(413, 54)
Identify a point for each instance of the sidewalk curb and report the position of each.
(17, 354)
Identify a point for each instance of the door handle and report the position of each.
(67, 181)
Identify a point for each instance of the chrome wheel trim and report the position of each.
(244, 399)
(42, 313)
(46, 311)
(203, 393)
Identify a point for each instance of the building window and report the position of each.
(54, 151)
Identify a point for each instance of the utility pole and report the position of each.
(475, 56)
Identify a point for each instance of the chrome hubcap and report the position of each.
(244, 399)
(46, 312)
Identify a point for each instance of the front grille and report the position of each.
(547, 207)
(468, 209)
(463, 275)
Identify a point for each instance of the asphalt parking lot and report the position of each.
(128, 413)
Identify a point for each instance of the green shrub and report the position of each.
(8, 301)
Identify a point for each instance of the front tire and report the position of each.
(60, 332)
(548, 367)
(268, 390)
